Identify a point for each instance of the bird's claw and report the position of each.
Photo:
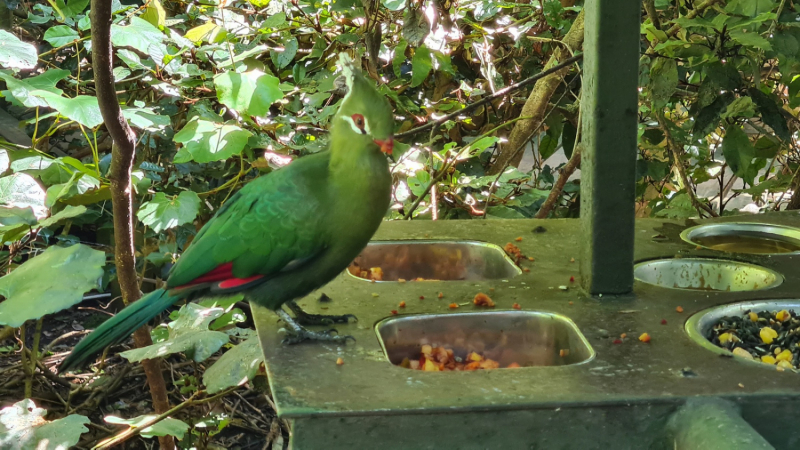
(298, 336)
(307, 319)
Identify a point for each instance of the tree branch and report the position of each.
(538, 100)
(502, 92)
(122, 157)
(558, 187)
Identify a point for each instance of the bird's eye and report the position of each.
(358, 119)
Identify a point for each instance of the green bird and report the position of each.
(284, 234)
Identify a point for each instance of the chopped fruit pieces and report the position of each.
(767, 335)
(401, 280)
(440, 359)
(513, 366)
(572, 260)
(482, 299)
(623, 335)
(571, 303)
(679, 309)
(526, 270)
(571, 279)
(516, 306)
(339, 361)
(618, 341)
(394, 312)
(753, 317)
(531, 258)
(441, 295)
(453, 305)
(563, 352)
(375, 294)
(663, 321)
(644, 338)
(783, 316)
(422, 297)
(376, 274)
(402, 304)
(519, 239)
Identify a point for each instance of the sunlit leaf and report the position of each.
(205, 141)
(21, 190)
(415, 26)
(204, 32)
(23, 427)
(140, 35)
(52, 281)
(163, 213)
(166, 427)
(738, 150)
(83, 109)
(155, 14)
(750, 39)
(19, 91)
(15, 54)
(189, 333)
(250, 93)
(60, 35)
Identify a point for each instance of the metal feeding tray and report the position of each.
(706, 274)
(752, 238)
(528, 338)
(437, 260)
(699, 325)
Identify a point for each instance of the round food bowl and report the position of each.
(706, 274)
(699, 325)
(750, 238)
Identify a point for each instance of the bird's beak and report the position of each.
(386, 145)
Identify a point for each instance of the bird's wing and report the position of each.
(274, 223)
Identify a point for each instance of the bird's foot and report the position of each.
(296, 333)
(304, 318)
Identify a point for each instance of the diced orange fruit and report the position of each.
(402, 304)
(441, 295)
(482, 299)
(339, 361)
(516, 306)
(679, 309)
(644, 337)
(514, 365)
(453, 305)
(519, 239)
(376, 273)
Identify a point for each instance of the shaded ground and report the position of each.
(244, 419)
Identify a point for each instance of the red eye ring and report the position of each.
(358, 119)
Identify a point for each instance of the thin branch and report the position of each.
(555, 193)
(122, 158)
(496, 95)
(676, 157)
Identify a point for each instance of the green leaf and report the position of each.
(82, 109)
(155, 14)
(15, 54)
(189, 333)
(419, 182)
(166, 427)
(20, 190)
(679, 207)
(140, 35)
(146, 119)
(749, 8)
(13, 216)
(503, 212)
(67, 213)
(741, 107)
(421, 66)
(548, 146)
(750, 39)
(23, 427)
(237, 366)
(205, 141)
(738, 151)
(259, 3)
(723, 76)
(771, 113)
(78, 183)
(399, 56)
(708, 118)
(250, 93)
(5, 164)
(73, 8)
(20, 90)
(50, 282)
(162, 213)
(415, 26)
(282, 59)
(60, 35)
(394, 5)
(205, 32)
(663, 80)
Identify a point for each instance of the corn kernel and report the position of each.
(742, 353)
(753, 317)
(785, 364)
(783, 315)
(724, 338)
(768, 359)
(785, 355)
(767, 335)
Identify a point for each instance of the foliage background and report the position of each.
(220, 92)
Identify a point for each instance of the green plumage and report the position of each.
(299, 226)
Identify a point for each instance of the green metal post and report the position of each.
(608, 163)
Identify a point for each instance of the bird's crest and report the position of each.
(349, 71)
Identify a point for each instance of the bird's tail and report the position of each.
(118, 328)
